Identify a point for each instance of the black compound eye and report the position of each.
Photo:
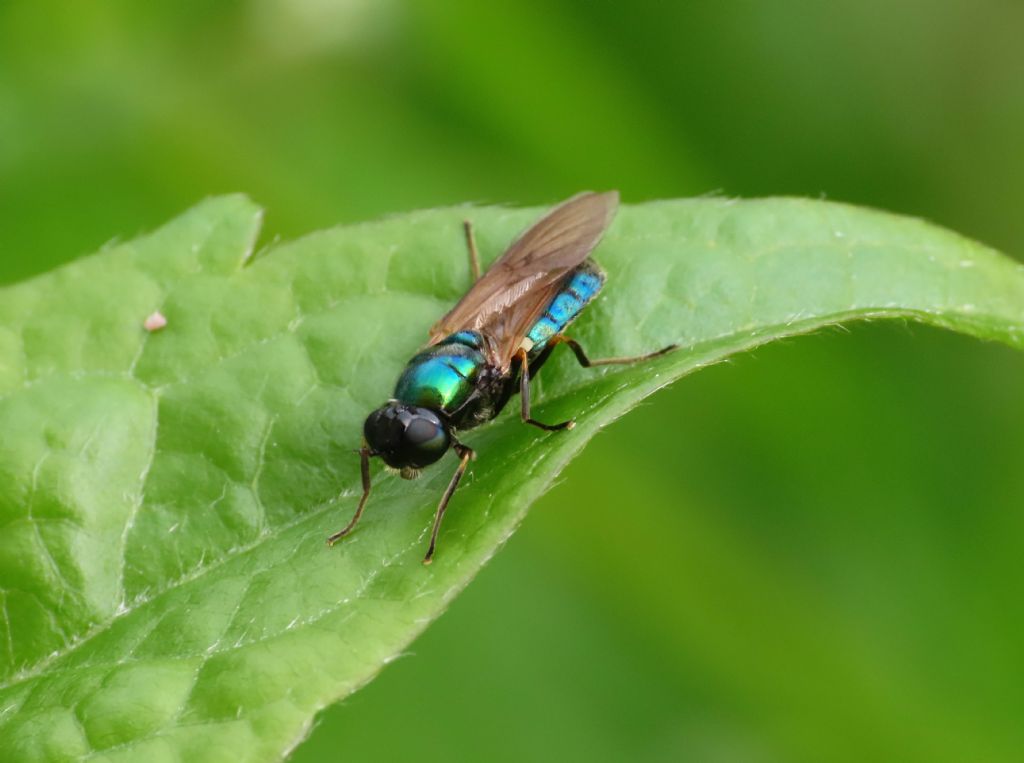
(406, 436)
(425, 439)
(422, 432)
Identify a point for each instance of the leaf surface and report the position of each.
(165, 587)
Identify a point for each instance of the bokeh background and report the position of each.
(813, 553)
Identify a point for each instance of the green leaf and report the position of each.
(166, 589)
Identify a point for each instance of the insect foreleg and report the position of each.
(364, 469)
(465, 455)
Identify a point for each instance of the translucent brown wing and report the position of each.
(512, 295)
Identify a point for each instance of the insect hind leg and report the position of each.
(587, 362)
(474, 257)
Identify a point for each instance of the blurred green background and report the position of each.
(813, 553)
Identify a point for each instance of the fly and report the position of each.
(490, 345)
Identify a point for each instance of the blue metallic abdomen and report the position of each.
(581, 287)
(443, 376)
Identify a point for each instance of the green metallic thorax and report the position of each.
(442, 376)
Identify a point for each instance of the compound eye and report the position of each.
(421, 432)
(406, 436)
(425, 441)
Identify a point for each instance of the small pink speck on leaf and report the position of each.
(155, 321)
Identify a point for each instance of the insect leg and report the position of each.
(474, 258)
(524, 398)
(465, 455)
(586, 362)
(364, 469)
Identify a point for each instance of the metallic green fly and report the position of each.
(490, 345)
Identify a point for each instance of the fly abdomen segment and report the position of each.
(565, 307)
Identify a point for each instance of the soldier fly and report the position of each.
(490, 345)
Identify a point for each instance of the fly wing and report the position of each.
(512, 295)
